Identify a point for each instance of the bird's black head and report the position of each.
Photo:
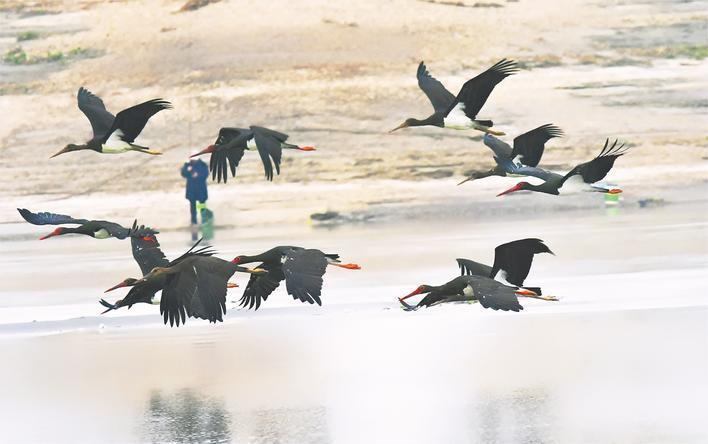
(238, 260)
(518, 187)
(478, 174)
(129, 282)
(420, 290)
(69, 148)
(406, 123)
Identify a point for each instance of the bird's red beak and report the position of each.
(307, 148)
(413, 293)
(516, 187)
(121, 285)
(614, 191)
(206, 150)
(56, 232)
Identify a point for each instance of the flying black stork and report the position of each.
(460, 112)
(114, 134)
(99, 229)
(302, 269)
(527, 151)
(589, 172)
(496, 287)
(193, 285)
(231, 143)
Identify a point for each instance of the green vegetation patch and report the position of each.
(18, 56)
(27, 35)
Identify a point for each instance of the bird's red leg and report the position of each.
(347, 266)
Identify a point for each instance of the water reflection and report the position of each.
(304, 425)
(185, 417)
(523, 416)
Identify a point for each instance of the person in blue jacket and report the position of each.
(196, 172)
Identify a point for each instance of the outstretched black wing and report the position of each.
(229, 134)
(492, 294)
(230, 145)
(198, 289)
(45, 218)
(439, 96)
(131, 121)
(260, 286)
(529, 146)
(92, 106)
(469, 267)
(303, 271)
(146, 249)
(514, 259)
(597, 169)
(269, 147)
(476, 91)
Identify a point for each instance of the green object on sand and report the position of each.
(612, 199)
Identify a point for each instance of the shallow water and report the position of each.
(621, 358)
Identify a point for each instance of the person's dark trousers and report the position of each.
(193, 211)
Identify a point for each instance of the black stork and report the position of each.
(193, 285)
(99, 229)
(231, 143)
(302, 269)
(460, 112)
(527, 151)
(114, 134)
(590, 173)
(490, 293)
(495, 287)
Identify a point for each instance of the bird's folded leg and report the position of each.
(231, 285)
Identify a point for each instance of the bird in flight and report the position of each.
(232, 143)
(301, 269)
(586, 174)
(527, 151)
(114, 134)
(497, 287)
(460, 112)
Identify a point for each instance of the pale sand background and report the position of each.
(622, 358)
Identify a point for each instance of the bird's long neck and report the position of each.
(490, 172)
(432, 120)
(250, 259)
(546, 187)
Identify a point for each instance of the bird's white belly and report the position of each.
(456, 119)
(102, 234)
(574, 184)
(114, 149)
(115, 144)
